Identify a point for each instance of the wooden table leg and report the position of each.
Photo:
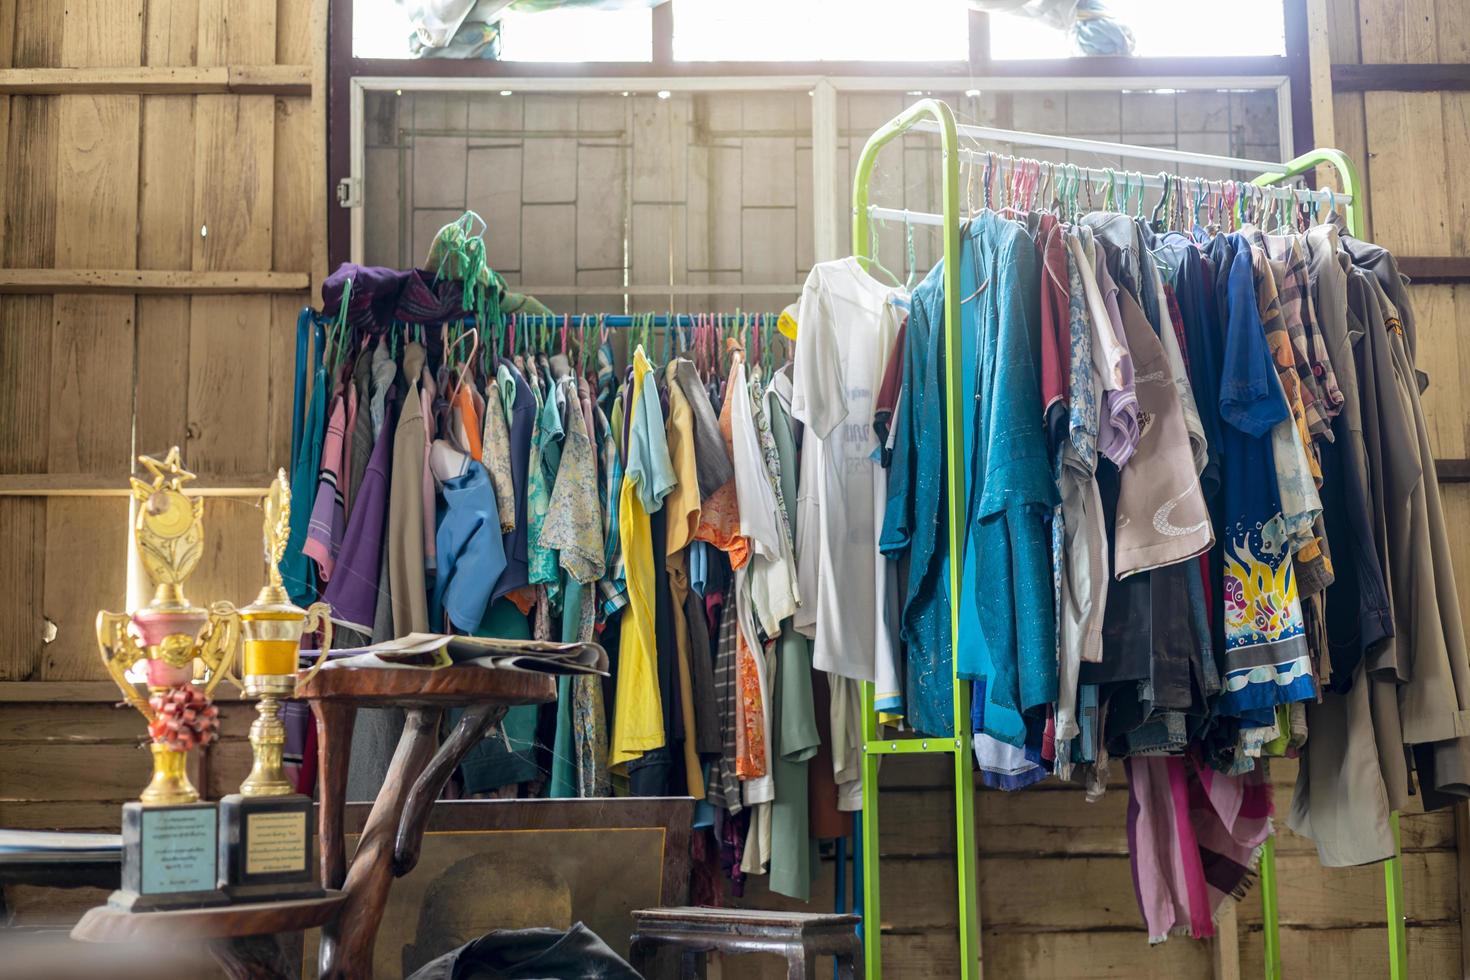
(347, 942)
(692, 965)
(642, 954)
(254, 958)
(473, 724)
(334, 724)
(801, 964)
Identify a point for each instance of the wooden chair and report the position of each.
(693, 932)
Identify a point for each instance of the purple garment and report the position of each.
(383, 296)
(1118, 434)
(353, 591)
(328, 514)
(522, 416)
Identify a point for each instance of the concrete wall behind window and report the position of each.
(701, 188)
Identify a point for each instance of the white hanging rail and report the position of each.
(905, 215)
(1254, 167)
(1304, 195)
(1130, 179)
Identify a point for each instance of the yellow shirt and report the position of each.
(638, 721)
(683, 501)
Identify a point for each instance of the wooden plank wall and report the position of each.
(164, 220)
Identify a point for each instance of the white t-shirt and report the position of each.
(846, 326)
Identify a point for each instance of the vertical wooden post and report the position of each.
(827, 223)
(1462, 876)
(1226, 952)
(1319, 71)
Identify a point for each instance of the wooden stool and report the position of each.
(799, 936)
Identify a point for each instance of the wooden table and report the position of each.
(101, 868)
(800, 937)
(390, 841)
(243, 938)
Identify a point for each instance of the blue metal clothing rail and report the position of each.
(614, 321)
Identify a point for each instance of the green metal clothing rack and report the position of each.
(957, 747)
(936, 117)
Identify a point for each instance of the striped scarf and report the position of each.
(1194, 835)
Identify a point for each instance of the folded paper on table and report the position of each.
(32, 841)
(434, 651)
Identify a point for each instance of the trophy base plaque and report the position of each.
(168, 859)
(265, 848)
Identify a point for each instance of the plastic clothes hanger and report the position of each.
(1331, 198)
(1159, 209)
(873, 261)
(1005, 196)
(910, 258)
(768, 330)
(473, 332)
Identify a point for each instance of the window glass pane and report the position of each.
(578, 35)
(382, 29)
(603, 203)
(1161, 29)
(821, 30)
(595, 201)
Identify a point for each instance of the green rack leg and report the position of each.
(966, 863)
(872, 921)
(958, 747)
(1270, 914)
(1393, 885)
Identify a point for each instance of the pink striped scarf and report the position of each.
(1193, 838)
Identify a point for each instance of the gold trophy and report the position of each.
(265, 840)
(169, 836)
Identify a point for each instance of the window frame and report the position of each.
(348, 76)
